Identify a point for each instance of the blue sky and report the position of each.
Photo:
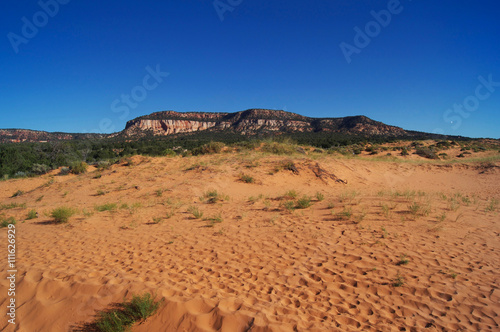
(85, 66)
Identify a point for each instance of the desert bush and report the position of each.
(404, 152)
(246, 178)
(426, 153)
(79, 168)
(127, 314)
(17, 193)
(303, 203)
(209, 148)
(32, 214)
(5, 222)
(213, 196)
(62, 214)
(39, 169)
(279, 148)
(19, 175)
(64, 170)
(106, 207)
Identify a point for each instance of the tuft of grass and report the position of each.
(17, 193)
(320, 196)
(39, 198)
(100, 192)
(246, 178)
(213, 196)
(303, 203)
(32, 214)
(127, 314)
(197, 213)
(289, 205)
(159, 192)
(12, 206)
(62, 214)
(403, 260)
(442, 217)
(8, 221)
(492, 205)
(346, 214)
(157, 220)
(398, 281)
(291, 194)
(106, 207)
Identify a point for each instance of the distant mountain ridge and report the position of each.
(254, 121)
(249, 122)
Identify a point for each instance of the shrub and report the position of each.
(106, 207)
(39, 169)
(17, 193)
(127, 314)
(404, 152)
(7, 222)
(213, 196)
(290, 194)
(79, 168)
(303, 203)
(320, 196)
(212, 147)
(246, 178)
(426, 153)
(62, 214)
(32, 214)
(278, 148)
(20, 175)
(64, 170)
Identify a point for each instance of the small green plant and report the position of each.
(197, 213)
(331, 205)
(320, 196)
(403, 260)
(159, 192)
(346, 214)
(8, 221)
(289, 205)
(157, 220)
(291, 194)
(106, 207)
(246, 178)
(385, 233)
(386, 211)
(303, 203)
(39, 198)
(398, 281)
(62, 214)
(17, 193)
(64, 170)
(32, 214)
(101, 192)
(213, 196)
(442, 217)
(359, 217)
(79, 168)
(127, 314)
(492, 205)
(414, 208)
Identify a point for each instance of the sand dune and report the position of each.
(250, 264)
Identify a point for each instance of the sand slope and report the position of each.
(329, 267)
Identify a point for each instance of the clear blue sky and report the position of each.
(424, 57)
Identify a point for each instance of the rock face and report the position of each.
(253, 121)
(26, 135)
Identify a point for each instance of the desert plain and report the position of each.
(252, 241)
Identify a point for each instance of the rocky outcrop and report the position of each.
(26, 135)
(253, 121)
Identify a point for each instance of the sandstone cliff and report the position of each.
(254, 121)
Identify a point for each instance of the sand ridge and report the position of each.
(249, 264)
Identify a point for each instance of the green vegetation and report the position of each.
(106, 207)
(197, 213)
(403, 260)
(121, 319)
(492, 205)
(320, 196)
(12, 206)
(303, 203)
(213, 196)
(5, 222)
(246, 178)
(32, 214)
(62, 214)
(398, 281)
(79, 167)
(17, 193)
